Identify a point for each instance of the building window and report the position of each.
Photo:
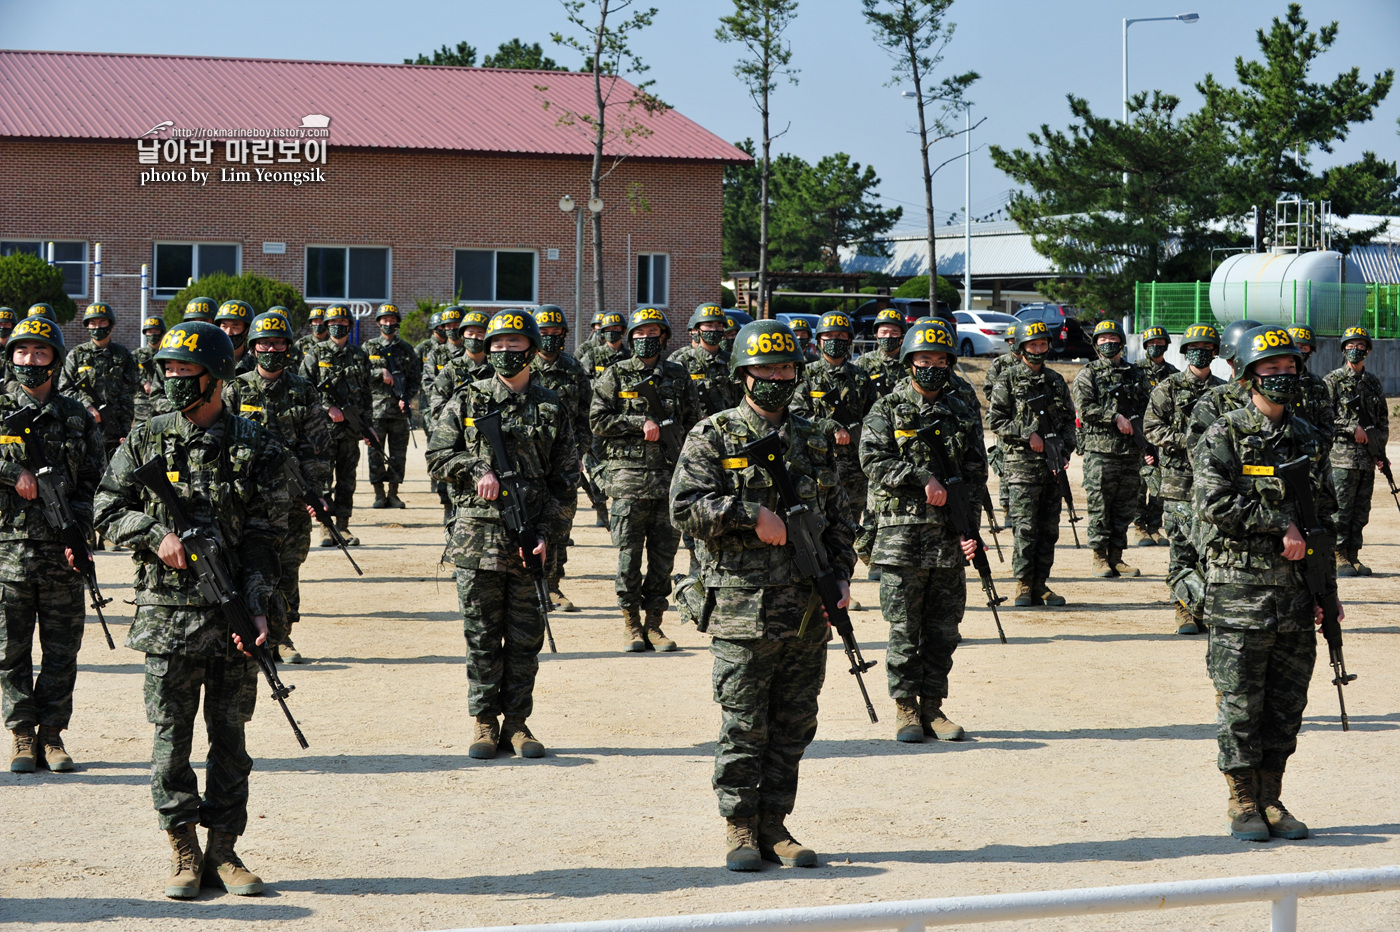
(70, 258)
(653, 283)
(494, 275)
(178, 263)
(347, 273)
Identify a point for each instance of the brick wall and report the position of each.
(422, 204)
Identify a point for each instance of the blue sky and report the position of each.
(1030, 53)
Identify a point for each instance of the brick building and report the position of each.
(415, 181)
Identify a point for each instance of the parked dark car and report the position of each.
(1067, 338)
(911, 308)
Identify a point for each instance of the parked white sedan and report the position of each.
(982, 333)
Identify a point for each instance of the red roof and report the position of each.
(86, 95)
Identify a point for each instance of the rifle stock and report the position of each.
(810, 554)
(202, 552)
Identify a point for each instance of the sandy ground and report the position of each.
(1090, 760)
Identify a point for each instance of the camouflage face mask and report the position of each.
(1355, 354)
(474, 345)
(1200, 357)
(99, 334)
(339, 331)
(274, 361)
(1156, 350)
(184, 390)
(931, 378)
(646, 347)
(712, 337)
(32, 376)
(1034, 359)
(836, 349)
(1281, 389)
(889, 344)
(509, 363)
(772, 395)
(551, 343)
(1110, 350)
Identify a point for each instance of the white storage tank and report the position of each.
(1322, 289)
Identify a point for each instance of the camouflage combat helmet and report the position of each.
(706, 313)
(765, 343)
(513, 320)
(1201, 333)
(890, 315)
(200, 343)
(929, 335)
(1356, 333)
(99, 311)
(649, 315)
(1263, 342)
(1229, 340)
(835, 322)
(199, 309)
(551, 315)
(39, 330)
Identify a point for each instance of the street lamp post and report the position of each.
(1187, 18)
(566, 204)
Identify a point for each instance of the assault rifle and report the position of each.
(400, 390)
(215, 584)
(1297, 476)
(963, 512)
(1055, 457)
(992, 522)
(300, 488)
(672, 431)
(515, 514)
(336, 392)
(57, 510)
(1382, 462)
(804, 534)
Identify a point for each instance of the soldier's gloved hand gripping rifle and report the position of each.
(1297, 476)
(214, 581)
(515, 514)
(804, 535)
(57, 510)
(672, 433)
(962, 513)
(1055, 457)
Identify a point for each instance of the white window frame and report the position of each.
(44, 255)
(194, 262)
(651, 279)
(342, 299)
(499, 302)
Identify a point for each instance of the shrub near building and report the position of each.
(259, 291)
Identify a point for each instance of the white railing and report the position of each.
(1283, 891)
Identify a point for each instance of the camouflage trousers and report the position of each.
(49, 600)
(1354, 489)
(291, 555)
(643, 525)
(505, 631)
(1150, 515)
(1033, 512)
(857, 487)
(1183, 559)
(172, 688)
(924, 608)
(1263, 677)
(767, 693)
(345, 460)
(557, 553)
(1113, 498)
(593, 479)
(392, 432)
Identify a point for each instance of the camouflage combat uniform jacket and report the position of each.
(1217, 402)
(1156, 372)
(143, 399)
(381, 351)
(715, 497)
(229, 478)
(1104, 389)
(1359, 401)
(1011, 418)
(434, 363)
(1315, 405)
(1170, 428)
(639, 468)
(709, 372)
(885, 372)
(822, 390)
(539, 432)
(457, 373)
(996, 370)
(289, 408)
(909, 531)
(597, 357)
(99, 376)
(565, 377)
(347, 367)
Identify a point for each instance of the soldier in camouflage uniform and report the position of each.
(392, 416)
(434, 338)
(708, 370)
(7, 325)
(103, 376)
(233, 318)
(638, 468)
(228, 472)
(768, 666)
(149, 382)
(438, 357)
(501, 616)
(1262, 643)
(201, 310)
(1033, 508)
(996, 369)
(1359, 437)
(38, 587)
(1153, 363)
(733, 320)
(923, 585)
(1315, 401)
(883, 366)
(335, 363)
(1169, 427)
(606, 348)
(803, 331)
(319, 332)
(468, 366)
(562, 374)
(289, 408)
(1107, 392)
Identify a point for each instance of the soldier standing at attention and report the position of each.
(1034, 498)
(923, 583)
(1315, 400)
(996, 369)
(233, 319)
(501, 616)
(103, 376)
(605, 349)
(803, 331)
(638, 466)
(468, 365)
(768, 668)
(434, 338)
(288, 407)
(1155, 341)
(883, 366)
(228, 471)
(389, 355)
(1107, 392)
(561, 373)
(319, 331)
(336, 368)
(149, 381)
(1262, 643)
(1170, 428)
(38, 587)
(1362, 426)
(438, 357)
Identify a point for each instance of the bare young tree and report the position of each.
(758, 25)
(607, 54)
(915, 35)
